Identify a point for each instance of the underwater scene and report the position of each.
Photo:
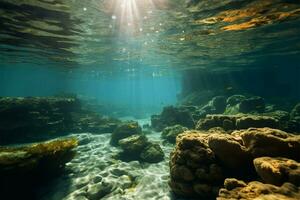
(150, 99)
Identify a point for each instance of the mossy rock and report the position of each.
(152, 154)
(125, 130)
(134, 143)
(170, 133)
(24, 168)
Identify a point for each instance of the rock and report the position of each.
(152, 153)
(24, 168)
(239, 121)
(218, 104)
(230, 151)
(24, 120)
(170, 133)
(253, 104)
(125, 130)
(245, 122)
(235, 100)
(278, 170)
(171, 116)
(201, 160)
(270, 142)
(232, 183)
(235, 189)
(134, 143)
(193, 167)
(98, 190)
(295, 113)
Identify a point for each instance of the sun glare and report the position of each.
(129, 15)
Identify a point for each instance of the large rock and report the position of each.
(270, 142)
(278, 170)
(193, 167)
(137, 147)
(239, 121)
(253, 104)
(170, 133)
(125, 130)
(24, 168)
(201, 160)
(235, 189)
(152, 153)
(171, 116)
(230, 151)
(39, 118)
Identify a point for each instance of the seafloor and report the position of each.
(236, 147)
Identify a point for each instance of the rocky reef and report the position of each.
(202, 160)
(37, 118)
(134, 144)
(23, 168)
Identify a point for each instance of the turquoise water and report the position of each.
(87, 68)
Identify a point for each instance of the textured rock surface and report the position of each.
(171, 116)
(170, 133)
(239, 121)
(193, 167)
(125, 130)
(270, 142)
(277, 171)
(26, 167)
(235, 189)
(201, 160)
(39, 118)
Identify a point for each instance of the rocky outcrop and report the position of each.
(239, 121)
(26, 167)
(278, 170)
(171, 116)
(125, 130)
(138, 147)
(236, 189)
(206, 158)
(193, 167)
(170, 133)
(35, 118)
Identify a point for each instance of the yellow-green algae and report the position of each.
(47, 155)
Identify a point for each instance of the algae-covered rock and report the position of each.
(236, 189)
(28, 119)
(277, 170)
(170, 133)
(193, 167)
(230, 151)
(152, 153)
(23, 168)
(239, 121)
(253, 104)
(171, 116)
(125, 130)
(270, 142)
(134, 143)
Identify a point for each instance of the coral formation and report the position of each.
(170, 133)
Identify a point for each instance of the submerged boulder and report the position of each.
(23, 168)
(28, 119)
(171, 116)
(239, 121)
(152, 153)
(253, 104)
(201, 160)
(278, 170)
(125, 130)
(236, 189)
(170, 133)
(138, 147)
